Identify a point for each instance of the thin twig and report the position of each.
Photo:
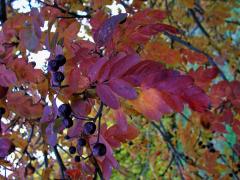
(192, 12)
(45, 159)
(234, 174)
(65, 11)
(169, 164)
(64, 150)
(60, 162)
(97, 168)
(190, 46)
(171, 148)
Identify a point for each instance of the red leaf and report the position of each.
(123, 88)
(121, 120)
(196, 98)
(23, 105)
(7, 77)
(107, 96)
(123, 65)
(218, 127)
(25, 71)
(81, 107)
(203, 77)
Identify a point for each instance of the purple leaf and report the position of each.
(124, 64)
(105, 32)
(95, 68)
(7, 77)
(51, 136)
(123, 88)
(6, 147)
(107, 96)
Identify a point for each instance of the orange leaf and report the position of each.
(151, 104)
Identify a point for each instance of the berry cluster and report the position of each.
(53, 65)
(65, 111)
(209, 145)
(99, 149)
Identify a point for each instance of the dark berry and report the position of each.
(2, 110)
(67, 122)
(130, 143)
(67, 137)
(200, 143)
(33, 63)
(53, 65)
(58, 77)
(33, 158)
(99, 149)
(77, 158)
(60, 59)
(210, 145)
(203, 146)
(65, 110)
(231, 175)
(89, 128)
(81, 142)
(238, 166)
(212, 150)
(72, 150)
(123, 21)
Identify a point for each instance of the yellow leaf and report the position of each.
(188, 3)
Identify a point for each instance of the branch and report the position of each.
(64, 10)
(190, 46)
(97, 169)
(175, 154)
(60, 162)
(192, 12)
(45, 159)
(224, 161)
(3, 13)
(170, 163)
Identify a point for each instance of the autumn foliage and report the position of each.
(152, 92)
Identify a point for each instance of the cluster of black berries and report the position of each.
(99, 149)
(209, 146)
(65, 111)
(2, 111)
(53, 65)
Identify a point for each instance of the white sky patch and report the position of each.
(23, 5)
(116, 8)
(40, 58)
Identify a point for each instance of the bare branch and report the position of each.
(65, 11)
(192, 12)
(175, 154)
